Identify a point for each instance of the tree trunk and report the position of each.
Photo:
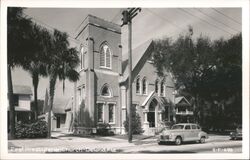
(35, 79)
(52, 83)
(11, 105)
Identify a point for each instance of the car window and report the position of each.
(194, 126)
(178, 127)
(198, 127)
(187, 127)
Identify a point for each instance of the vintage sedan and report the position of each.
(237, 134)
(183, 132)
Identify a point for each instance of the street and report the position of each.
(224, 146)
(72, 144)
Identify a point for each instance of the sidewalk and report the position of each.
(61, 142)
(64, 142)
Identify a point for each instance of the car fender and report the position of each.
(201, 134)
(178, 135)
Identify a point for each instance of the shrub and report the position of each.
(136, 123)
(38, 129)
(104, 129)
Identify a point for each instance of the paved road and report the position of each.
(215, 144)
(208, 147)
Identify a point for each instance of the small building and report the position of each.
(22, 102)
(183, 110)
(58, 114)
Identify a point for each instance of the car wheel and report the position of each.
(202, 140)
(178, 140)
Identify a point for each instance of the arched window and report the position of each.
(156, 86)
(105, 91)
(138, 85)
(82, 52)
(162, 88)
(105, 56)
(144, 85)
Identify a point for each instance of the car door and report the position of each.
(187, 133)
(195, 132)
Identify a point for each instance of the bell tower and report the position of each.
(100, 68)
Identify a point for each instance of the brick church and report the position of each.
(100, 95)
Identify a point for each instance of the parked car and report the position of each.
(183, 132)
(237, 134)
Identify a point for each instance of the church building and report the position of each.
(100, 95)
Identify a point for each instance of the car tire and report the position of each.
(202, 140)
(178, 140)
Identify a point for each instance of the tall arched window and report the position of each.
(138, 85)
(144, 85)
(162, 88)
(82, 53)
(105, 56)
(105, 91)
(156, 86)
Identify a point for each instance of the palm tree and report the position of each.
(62, 64)
(20, 52)
(37, 67)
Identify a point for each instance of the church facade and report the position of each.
(100, 95)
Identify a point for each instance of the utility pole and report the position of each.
(128, 15)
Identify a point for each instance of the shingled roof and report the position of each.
(22, 89)
(181, 98)
(137, 54)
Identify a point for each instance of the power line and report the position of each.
(226, 16)
(204, 21)
(50, 27)
(164, 18)
(217, 20)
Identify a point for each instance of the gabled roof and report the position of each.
(59, 106)
(137, 54)
(22, 89)
(148, 97)
(161, 100)
(179, 99)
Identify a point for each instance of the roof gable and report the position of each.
(138, 53)
(22, 89)
(181, 100)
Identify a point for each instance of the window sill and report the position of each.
(108, 68)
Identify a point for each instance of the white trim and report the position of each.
(110, 91)
(111, 103)
(105, 56)
(147, 99)
(106, 71)
(100, 102)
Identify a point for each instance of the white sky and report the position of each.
(150, 23)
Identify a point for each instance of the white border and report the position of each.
(244, 4)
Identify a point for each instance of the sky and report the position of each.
(150, 23)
